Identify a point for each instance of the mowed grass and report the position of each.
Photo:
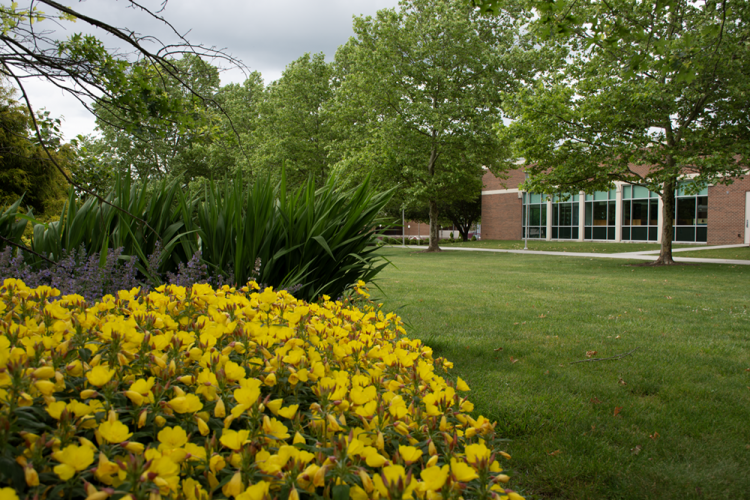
(671, 420)
(559, 246)
(740, 253)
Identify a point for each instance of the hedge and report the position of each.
(198, 393)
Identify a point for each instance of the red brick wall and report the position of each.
(501, 217)
(492, 183)
(417, 229)
(726, 213)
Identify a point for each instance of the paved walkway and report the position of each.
(644, 255)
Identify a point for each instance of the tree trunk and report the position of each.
(464, 232)
(434, 228)
(667, 231)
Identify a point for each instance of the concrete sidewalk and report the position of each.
(649, 255)
(687, 249)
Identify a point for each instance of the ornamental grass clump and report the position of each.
(198, 393)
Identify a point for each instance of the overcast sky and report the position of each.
(265, 35)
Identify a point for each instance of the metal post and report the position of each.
(526, 232)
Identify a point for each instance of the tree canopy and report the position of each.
(649, 93)
(25, 170)
(417, 96)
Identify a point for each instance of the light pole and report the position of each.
(403, 228)
(526, 222)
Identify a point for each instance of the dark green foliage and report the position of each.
(99, 227)
(25, 170)
(321, 239)
(11, 228)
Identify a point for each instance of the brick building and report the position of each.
(717, 215)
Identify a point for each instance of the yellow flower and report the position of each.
(189, 403)
(99, 375)
(410, 454)
(258, 491)
(461, 385)
(114, 431)
(31, 475)
(275, 428)
(462, 472)
(234, 439)
(172, 437)
(167, 474)
(476, 453)
(192, 490)
(8, 494)
(248, 392)
(434, 477)
(275, 405)
(234, 486)
(55, 409)
(233, 371)
(362, 395)
(73, 459)
(220, 409)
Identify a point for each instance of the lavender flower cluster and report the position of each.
(75, 272)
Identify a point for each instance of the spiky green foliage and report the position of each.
(100, 227)
(321, 239)
(11, 226)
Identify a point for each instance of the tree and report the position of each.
(417, 96)
(649, 93)
(124, 85)
(25, 170)
(295, 129)
(156, 149)
(463, 214)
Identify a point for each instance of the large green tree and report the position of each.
(417, 95)
(295, 129)
(650, 93)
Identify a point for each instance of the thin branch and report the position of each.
(26, 249)
(57, 165)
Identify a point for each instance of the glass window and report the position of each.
(702, 210)
(626, 192)
(654, 213)
(600, 213)
(641, 214)
(685, 211)
(534, 216)
(691, 216)
(626, 213)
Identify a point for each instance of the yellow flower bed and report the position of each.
(201, 394)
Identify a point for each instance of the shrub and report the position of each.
(191, 392)
(322, 239)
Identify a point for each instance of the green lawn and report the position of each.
(720, 253)
(559, 246)
(672, 420)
